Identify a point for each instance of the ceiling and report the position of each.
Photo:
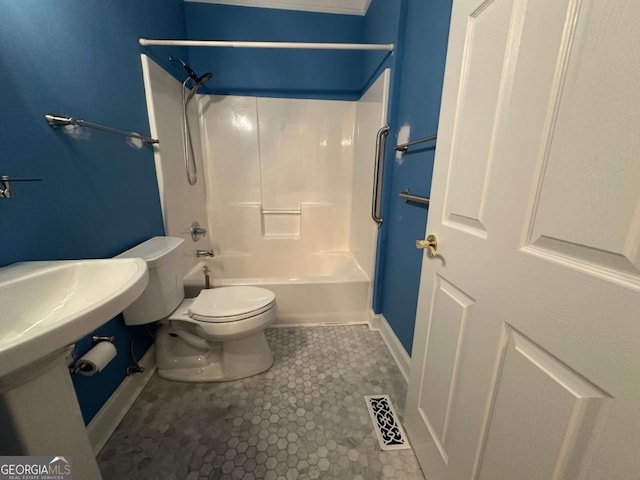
(347, 7)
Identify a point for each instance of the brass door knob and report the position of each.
(430, 243)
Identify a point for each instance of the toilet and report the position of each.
(216, 337)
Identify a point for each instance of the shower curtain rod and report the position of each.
(294, 45)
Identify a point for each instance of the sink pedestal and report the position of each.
(40, 415)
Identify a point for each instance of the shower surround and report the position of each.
(285, 194)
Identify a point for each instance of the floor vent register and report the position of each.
(388, 429)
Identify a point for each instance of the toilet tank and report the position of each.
(165, 290)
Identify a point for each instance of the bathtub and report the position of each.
(322, 288)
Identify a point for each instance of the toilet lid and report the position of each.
(225, 302)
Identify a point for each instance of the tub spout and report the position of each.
(205, 253)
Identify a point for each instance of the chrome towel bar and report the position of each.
(60, 121)
(407, 196)
(5, 184)
(405, 146)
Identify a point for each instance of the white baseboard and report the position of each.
(320, 324)
(102, 426)
(320, 319)
(379, 323)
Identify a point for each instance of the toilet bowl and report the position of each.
(217, 336)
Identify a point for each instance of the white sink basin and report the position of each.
(46, 306)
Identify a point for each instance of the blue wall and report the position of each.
(416, 101)
(98, 196)
(282, 73)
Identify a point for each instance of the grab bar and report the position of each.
(407, 196)
(405, 146)
(59, 121)
(376, 203)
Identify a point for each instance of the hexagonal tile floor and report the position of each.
(305, 418)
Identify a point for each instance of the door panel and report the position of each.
(545, 416)
(487, 39)
(576, 215)
(444, 338)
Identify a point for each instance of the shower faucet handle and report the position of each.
(197, 231)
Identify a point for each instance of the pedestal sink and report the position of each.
(45, 307)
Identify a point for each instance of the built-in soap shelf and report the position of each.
(306, 223)
(281, 223)
(285, 211)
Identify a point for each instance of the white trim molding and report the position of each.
(379, 324)
(102, 426)
(321, 319)
(344, 7)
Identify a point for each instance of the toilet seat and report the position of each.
(230, 304)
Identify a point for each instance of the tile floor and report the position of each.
(305, 418)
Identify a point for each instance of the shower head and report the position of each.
(199, 81)
(204, 78)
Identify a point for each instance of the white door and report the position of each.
(526, 358)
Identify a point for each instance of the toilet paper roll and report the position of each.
(95, 359)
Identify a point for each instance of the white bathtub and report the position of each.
(323, 288)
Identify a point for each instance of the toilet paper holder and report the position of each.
(77, 366)
(102, 338)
